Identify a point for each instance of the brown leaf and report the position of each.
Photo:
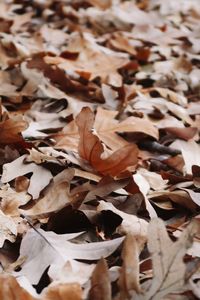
(11, 290)
(103, 4)
(63, 291)
(91, 149)
(129, 274)
(100, 282)
(107, 127)
(10, 130)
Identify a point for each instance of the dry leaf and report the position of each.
(56, 195)
(8, 229)
(100, 282)
(59, 251)
(187, 148)
(11, 200)
(107, 127)
(129, 274)
(11, 290)
(61, 291)
(38, 181)
(168, 266)
(91, 149)
(130, 223)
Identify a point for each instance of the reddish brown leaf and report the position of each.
(91, 149)
(10, 130)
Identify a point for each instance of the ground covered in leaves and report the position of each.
(99, 150)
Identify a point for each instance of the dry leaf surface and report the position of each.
(99, 142)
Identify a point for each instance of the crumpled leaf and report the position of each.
(91, 149)
(71, 271)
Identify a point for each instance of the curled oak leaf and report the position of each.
(10, 130)
(91, 149)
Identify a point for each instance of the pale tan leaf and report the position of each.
(11, 200)
(172, 96)
(56, 196)
(107, 127)
(168, 266)
(187, 148)
(8, 229)
(130, 223)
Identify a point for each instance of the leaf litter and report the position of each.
(99, 150)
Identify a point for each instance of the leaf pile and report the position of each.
(99, 149)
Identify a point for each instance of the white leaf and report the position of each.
(40, 178)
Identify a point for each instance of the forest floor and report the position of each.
(100, 150)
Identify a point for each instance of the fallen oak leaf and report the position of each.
(187, 148)
(10, 289)
(100, 285)
(130, 223)
(10, 130)
(11, 200)
(55, 196)
(107, 127)
(129, 273)
(42, 248)
(185, 133)
(91, 149)
(168, 266)
(8, 229)
(38, 181)
(62, 291)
